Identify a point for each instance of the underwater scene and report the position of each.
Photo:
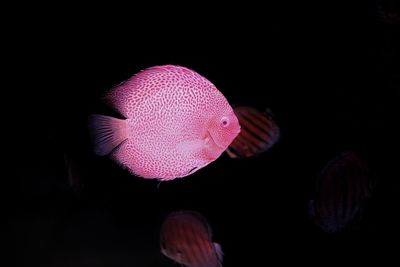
(206, 140)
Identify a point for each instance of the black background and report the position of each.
(327, 71)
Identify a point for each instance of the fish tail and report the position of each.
(219, 252)
(106, 133)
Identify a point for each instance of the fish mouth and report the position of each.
(238, 130)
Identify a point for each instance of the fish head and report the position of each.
(222, 130)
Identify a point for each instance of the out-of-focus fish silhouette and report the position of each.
(388, 11)
(342, 189)
(259, 132)
(186, 238)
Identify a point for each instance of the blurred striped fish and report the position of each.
(258, 133)
(185, 237)
(343, 186)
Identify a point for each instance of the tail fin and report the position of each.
(106, 133)
(218, 250)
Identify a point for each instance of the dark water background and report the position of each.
(328, 72)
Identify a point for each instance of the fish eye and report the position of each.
(224, 122)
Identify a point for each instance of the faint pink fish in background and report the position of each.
(176, 123)
(186, 238)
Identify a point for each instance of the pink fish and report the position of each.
(186, 238)
(176, 123)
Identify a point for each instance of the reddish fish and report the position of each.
(342, 190)
(259, 132)
(185, 237)
(176, 123)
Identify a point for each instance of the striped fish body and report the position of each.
(185, 237)
(259, 132)
(343, 186)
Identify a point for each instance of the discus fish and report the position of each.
(176, 122)
(259, 132)
(185, 237)
(342, 190)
